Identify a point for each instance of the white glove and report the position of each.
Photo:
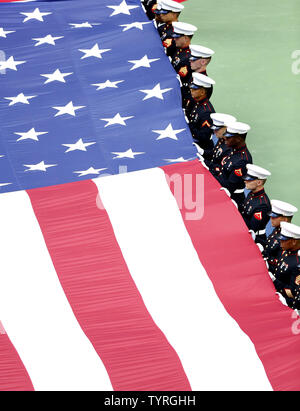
(199, 149)
(253, 235)
(261, 249)
(234, 203)
(282, 299)
(273, 278)
(226, 191)
(203, 163)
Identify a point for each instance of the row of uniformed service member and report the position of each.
(221, 143)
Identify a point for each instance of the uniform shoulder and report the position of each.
(267, 201)
(248, 155)
(240, 158)
(206, 106)
(244, 155)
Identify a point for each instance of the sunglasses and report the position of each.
(161, 11)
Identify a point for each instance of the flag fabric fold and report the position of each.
(100, 96)
(134, 284)
(13, 375)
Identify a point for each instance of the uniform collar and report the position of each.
(183, 48)
(237, 150)
(203, 101)
(200, 72)
(243, 148)
(259, 193)
(294, 252)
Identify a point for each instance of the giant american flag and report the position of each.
(123, 264)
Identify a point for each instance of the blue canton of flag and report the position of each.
(86, 90)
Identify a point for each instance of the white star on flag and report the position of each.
(79, 145)
(86, 24)
(90, 170)
(93, 52)
(39, 167)
(1, 156)
(5, 184)
(57, 75)
(169, 132)
(123, 8)
(156, 92)
(31, 135)
(3, 33)
(67, 109)
(136, 25)
(126, 154)
(20, 98)
(11, 64)
(117, 119)
(49, 39)
(107, 83)
(36, 14)
(143, 62)
(176, 160)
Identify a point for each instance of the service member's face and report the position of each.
(198, 94)
(231, 141)
(252, 185)
(158, 18)
(275, 221)
(199, 64)
(183, 41)
(168, 18)
(287, 245)
(220, 133)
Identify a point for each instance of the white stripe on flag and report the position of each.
(215, 353)
(34, 310)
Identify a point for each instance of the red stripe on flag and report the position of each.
(239, 275)
(13, 375)
(101, 292)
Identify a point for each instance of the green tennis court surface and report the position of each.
(254, 43)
